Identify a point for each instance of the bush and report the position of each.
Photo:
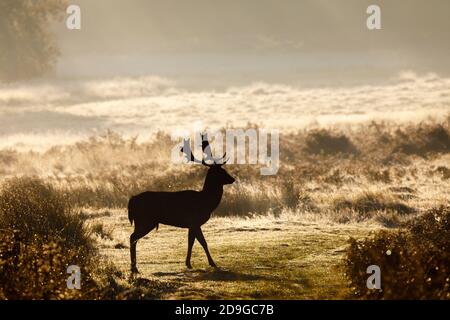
(37, 211)
(40, 237)
(324, 142)
(368, 202)
(37, 270)
(423, 140)
(414, 263)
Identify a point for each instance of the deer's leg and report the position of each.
(201, 239)
(191, 239)
(138, 233)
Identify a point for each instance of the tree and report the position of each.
(27, 47)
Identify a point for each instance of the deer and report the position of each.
(183, 209)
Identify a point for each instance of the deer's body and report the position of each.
(184, 209)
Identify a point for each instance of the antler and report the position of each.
(206, 148)
(186, 149)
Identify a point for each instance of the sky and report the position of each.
(211, 41)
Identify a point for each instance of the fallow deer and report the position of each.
(184, 209)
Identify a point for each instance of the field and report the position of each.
(274, 237)
(97, 98)
(285, 257)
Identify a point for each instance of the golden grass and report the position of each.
(275, 237)
(291, 256)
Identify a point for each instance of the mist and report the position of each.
(216, 44)
(138, 67)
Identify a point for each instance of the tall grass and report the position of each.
(369, 202)
(40, 237)
(104, 171)
(326, 142)
(379, 172)
(35, 210)
(41, 234)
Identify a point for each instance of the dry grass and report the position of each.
(280, 236)
(40, 236)
(371, 202)
(289, 256)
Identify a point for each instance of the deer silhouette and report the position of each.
(184, 209)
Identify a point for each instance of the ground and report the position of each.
(286, 257)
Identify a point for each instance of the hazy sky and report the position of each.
(256, 37)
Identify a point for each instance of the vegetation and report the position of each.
(382, 175)
(35, 209)
(325, 142)
(67, 206)
(414, 263)
(40, 236)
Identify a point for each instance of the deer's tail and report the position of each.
(131, 210)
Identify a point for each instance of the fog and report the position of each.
(140, 66)
(39, 115)
(217, 43)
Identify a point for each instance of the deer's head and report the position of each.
(217, 175)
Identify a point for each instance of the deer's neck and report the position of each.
(213, 193)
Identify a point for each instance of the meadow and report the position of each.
(87, 119)
(343, 196)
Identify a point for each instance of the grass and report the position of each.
(104, 171)
(275, 237)
(100, 230)
(290, 256)
(326, 142)
(370, 202)
(41, 236)
(36, 210)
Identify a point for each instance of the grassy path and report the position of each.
(263, 258)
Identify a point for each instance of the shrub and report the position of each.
(37, 211)
(422, 140)
(325, 142)
(37, 270)
(368, 202)
(40, 237)
(414, 263)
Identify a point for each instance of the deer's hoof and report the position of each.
(188, 265)
(213, 265)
